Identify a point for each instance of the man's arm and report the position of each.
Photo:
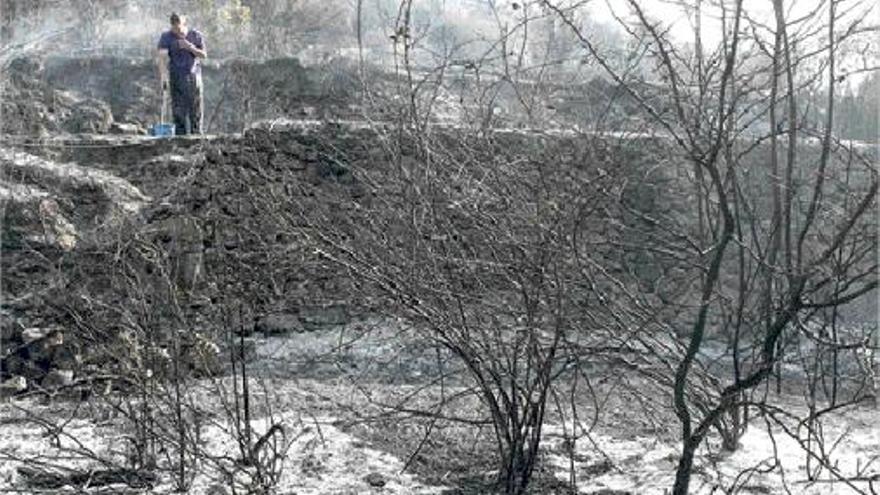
(199, 52)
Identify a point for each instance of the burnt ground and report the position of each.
(318, 352)
(59, 95)
(347, 383)
(96, 224)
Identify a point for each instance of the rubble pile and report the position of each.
(31, 106)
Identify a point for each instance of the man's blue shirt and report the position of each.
(182, 61)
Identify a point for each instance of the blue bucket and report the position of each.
(162, 130)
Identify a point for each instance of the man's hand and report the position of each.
(184, 44)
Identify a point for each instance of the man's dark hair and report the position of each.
(175, 18)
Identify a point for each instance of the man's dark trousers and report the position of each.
(186, 103)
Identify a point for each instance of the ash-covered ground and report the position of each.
(101, 221)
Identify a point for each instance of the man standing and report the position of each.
(180, 70)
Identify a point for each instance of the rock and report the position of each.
(57, 230)
(55, 338)
(30, 335)
(18, 364)
(202, 355)
(280, 324)
(10, 329)
(62, 204)
(217, 489)
(285, 161)
(89, 115)
(29, 67)
(375, 480)
(157, 360)
(126, 129)
(598, 468)
(46, 480)
(320, 171)
(184, 240)
(190, 268)
(65, 357)
(57, 378)
(13, 386)
(43, 350)
(292, 147)
(316, 317)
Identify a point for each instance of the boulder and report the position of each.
(57, 378)
(57, 230)
(43, 346)
(217, 489)
(184, 240)
(279, 324)
(66, 357)
(126, 129)
(189, 268)
(202, 355)
(61, 204)
(13, 386)
(19, 364)
(89, 115)
(157, 360)
(317, 317)
(376, 480)
(36, 217)
(29, 335)
(10, 328)
(25, 68)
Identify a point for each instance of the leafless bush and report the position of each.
(760, 281)
(156, 365)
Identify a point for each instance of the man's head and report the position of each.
(178, 23)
